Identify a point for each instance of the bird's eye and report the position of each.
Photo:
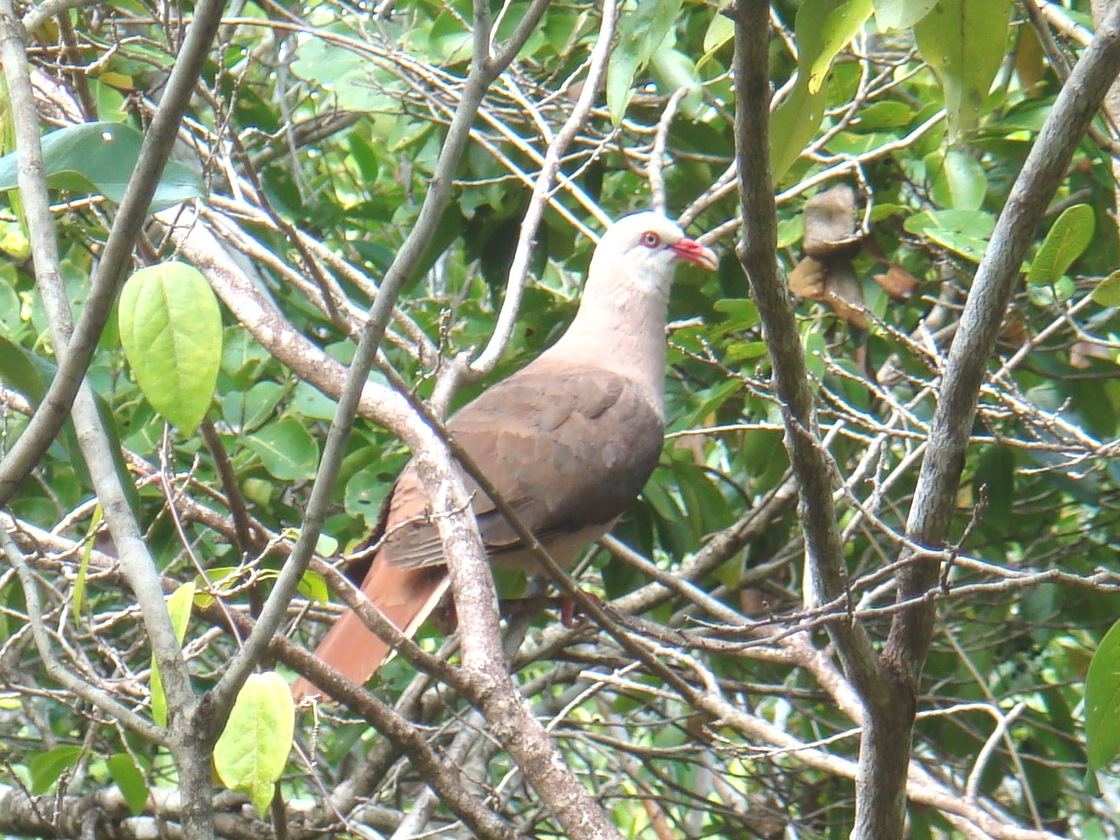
(651, 239)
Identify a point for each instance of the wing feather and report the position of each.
(569, 448)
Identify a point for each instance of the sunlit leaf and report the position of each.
(963, 41)
(1102, 701)
(98, 158)
(46, 767)
(171, 329)
(900, 14)
(824, 27)
(179, 605)
(286, 449)
(641, 30)
(957, 180)
(1066, 240)
(1107, 292)
(253, 749)
(130, 780)
(83, 564)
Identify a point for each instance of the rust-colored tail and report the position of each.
(405, 596)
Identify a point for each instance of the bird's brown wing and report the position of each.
(569, 447)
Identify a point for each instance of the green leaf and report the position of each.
(742, 313)
(171, 330)
(1107, 292)
(1065, 242)
(1102, 701)
(130, 780)
(900, 14)
(286, 449)
(963, 41)
(720, 30)
(672, 69)
(840, 26)
(824, 27)
(23, 371)
(995, 473)
(83, 565)
(325, 545)
(957, 180)
(793, 125)
(220, 581)
(179, 608)
(245, 410)
(31, 375)
(883, 115)
(348, 78)
(98, 158)
(253, 749)
(313, 587)
(964, 232)
(640, 32)
(48, 766)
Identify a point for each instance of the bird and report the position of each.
(568, 441)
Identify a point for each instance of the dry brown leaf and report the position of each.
(830, 224)
(807, 279)
(844, 295)
(897, 282)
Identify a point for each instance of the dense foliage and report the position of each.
(306, 154)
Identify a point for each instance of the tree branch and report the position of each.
(811, 467)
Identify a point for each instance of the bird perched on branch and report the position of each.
(568, 441)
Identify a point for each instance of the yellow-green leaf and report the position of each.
(956, 179)
(46, 767)
(83, 565)
(179, 607)
(901, 14)
(130, 780)
(840, 26)
(171, 330)
(1102, 701)
(640, 32)
(252, 751)
(1107, 292)
(963, 41)
(824, 27)
(1065, 242)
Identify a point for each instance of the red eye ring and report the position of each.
(651, 239)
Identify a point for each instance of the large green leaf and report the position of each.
(251, 753)
(1102, 701)
(640, 32)
(171, 329)
(98, 158)
(129, 778)
(288, 452)
(31, 375)
(901, 14)
(179, 605)
(963, 41)
(964, 232)
(673, 70)
(1066, 240)
(824, 27)
(839, 26)
(47, 766)
(957, 179)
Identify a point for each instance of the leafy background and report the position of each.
(312, 142)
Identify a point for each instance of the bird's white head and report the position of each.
(647, 247)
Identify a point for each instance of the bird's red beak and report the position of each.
(694, 252)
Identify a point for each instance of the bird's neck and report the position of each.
(621, 330)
